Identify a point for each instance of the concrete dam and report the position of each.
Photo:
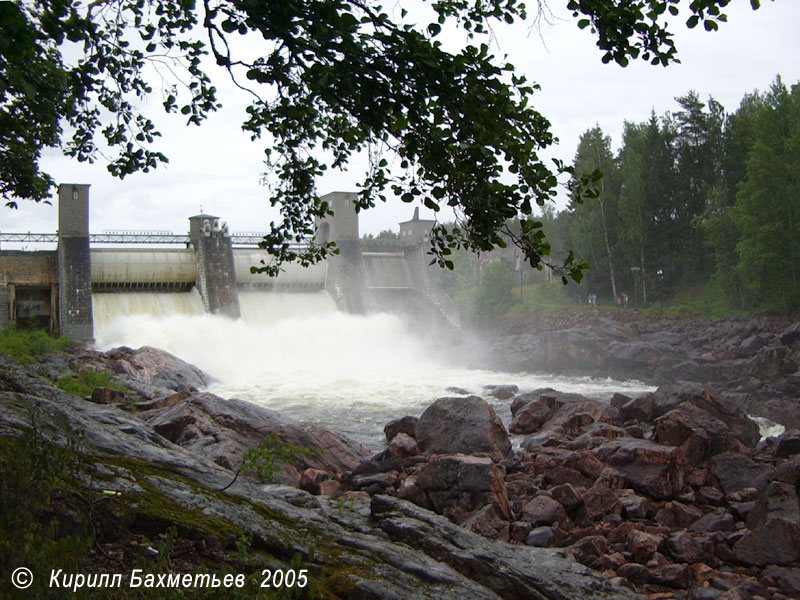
(79, 285)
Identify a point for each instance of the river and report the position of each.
(297, 354)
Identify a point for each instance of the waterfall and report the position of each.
(297, 354)
(108, 306)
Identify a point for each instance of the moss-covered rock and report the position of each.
(132, 499)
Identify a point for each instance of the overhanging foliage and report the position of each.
(332, 78)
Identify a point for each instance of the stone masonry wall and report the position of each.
(22, 268)
(29, 268)
(5, 308)
(75, 289)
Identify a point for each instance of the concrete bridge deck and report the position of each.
(133, 237)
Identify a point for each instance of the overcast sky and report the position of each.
(216, 167)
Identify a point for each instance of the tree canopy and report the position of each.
(696, 198)
(332, 78)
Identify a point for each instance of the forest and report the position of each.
(699, 200)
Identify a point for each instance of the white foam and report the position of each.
(295, 353)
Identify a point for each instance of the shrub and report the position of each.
(26, 344)
(263, 462)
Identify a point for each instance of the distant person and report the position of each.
(624, 301)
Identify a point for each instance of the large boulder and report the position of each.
(544, 510)
(573, 419)
(775, 543)
(777, 501)
(406, 425)
(158, 369)
(584, 347)
(790, 335)
(650, 407)
(734, 471)
(788, 444)
(700, 435)
(457, 485)
(564, 414)
(462, 425)
(774, 528)
(752, 344)
(223, 430)
(656, 470)
(559, 466)
(529, 417)
(638, 358)
(771, 362)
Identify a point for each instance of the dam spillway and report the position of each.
(294, 277)
(110, 305)
(58, 289)
(115, 269)
(168, 270)
(387, 270)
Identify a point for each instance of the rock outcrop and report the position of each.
(753, 360)
(353, 547)
(669, 493)
(223, 430)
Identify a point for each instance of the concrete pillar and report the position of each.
(346, 280)
(74, 263)
(216, 276)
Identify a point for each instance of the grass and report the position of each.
(544, 298)
(87, 381)
(26, 344)
(42, 526)
(706, 301)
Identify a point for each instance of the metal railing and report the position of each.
(159, 237)
(129, 237)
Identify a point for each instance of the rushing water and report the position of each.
(295, 353)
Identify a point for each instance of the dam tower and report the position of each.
(216, 275)
(74, 263)
(346, 280)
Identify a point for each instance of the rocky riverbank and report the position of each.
(668, 495)
(753, 361)
(147, 479)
